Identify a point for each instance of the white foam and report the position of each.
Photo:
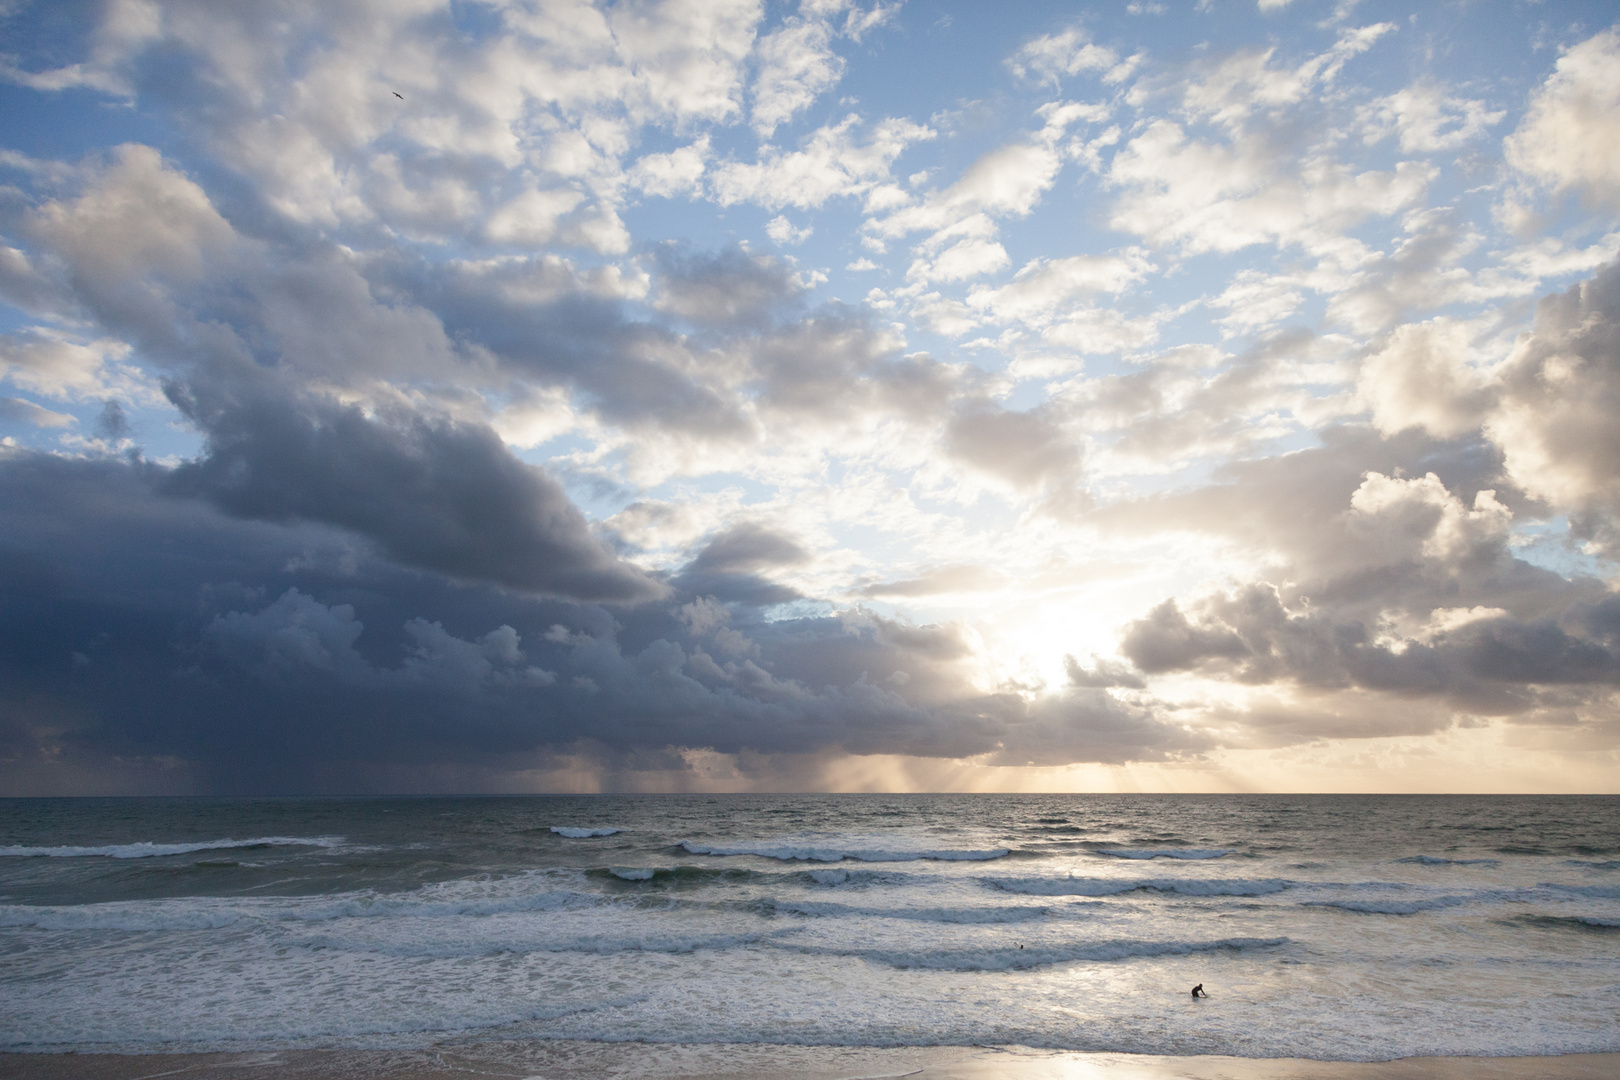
(837, 853)
(147, 850)
(632, 873)
(1166, 853)
(583, 834)
(1079, 886)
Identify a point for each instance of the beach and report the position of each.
(576, 1060)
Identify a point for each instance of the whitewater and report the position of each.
(1330, 927)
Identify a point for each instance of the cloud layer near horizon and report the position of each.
(523, 395)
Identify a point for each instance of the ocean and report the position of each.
(1345, 928)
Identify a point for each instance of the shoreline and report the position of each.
(544, 1059)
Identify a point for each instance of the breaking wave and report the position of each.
(147, 850)
(1078, 886)
(789, 852)
(1166, 853)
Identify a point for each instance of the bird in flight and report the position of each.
(399, 95)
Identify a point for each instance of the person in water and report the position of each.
(1198, 991)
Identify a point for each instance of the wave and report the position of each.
(582, 834)
(812, 853)
(147, 850)
(130, 918)
(676, 875)
(1166, 853)
(601, 944)
(1592, 864)
(1435, 860)
(965, 916)
(1013, 958)
(855, 878)
(139, 916)
(1583, 923)
(1076, 886)
(1390, 907)
(1598, 892)
(415, 907)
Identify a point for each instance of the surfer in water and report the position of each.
(1198, 991)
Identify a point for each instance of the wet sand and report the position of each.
(563, 1060)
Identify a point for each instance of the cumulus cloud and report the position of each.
(1570, 138)
(1559, 393)
(1388, 620)
(1421, 378)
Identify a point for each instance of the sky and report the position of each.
(713, 395)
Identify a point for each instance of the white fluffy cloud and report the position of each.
(1570, 138)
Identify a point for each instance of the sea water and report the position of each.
(1332, 927)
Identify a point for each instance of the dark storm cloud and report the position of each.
(730, 567)
(434, 494)
(150, 637)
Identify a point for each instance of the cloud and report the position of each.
(729, 288)
(1559, 393)
(1202, 196)
(18, 410)
(1006, 181)
(832, 164)
(677, 172)
(796, 65)
(1044, 288)
(1049, 57)
(433, 452)
(1421, 378)
(731, 566)
(945, 579)
(433, 494)
(53, 365)
(366, 666)
(1570, 137)
(1023, 449)
(1427, 120)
